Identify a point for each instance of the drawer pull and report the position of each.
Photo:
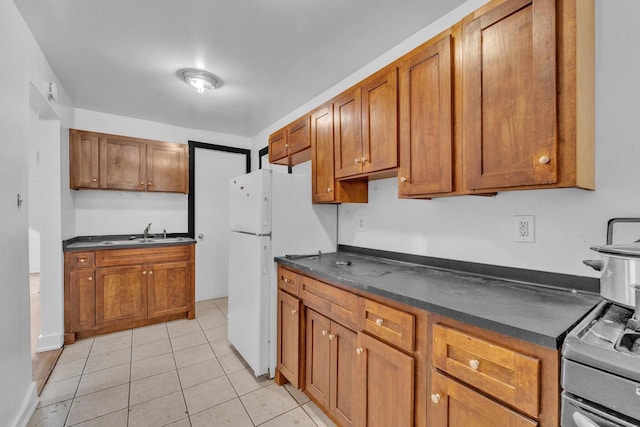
(82, 259)
(379, 322)
(474, 364)
(294, 311)
(331, 337)
(359, 350)
(89, 278)
(324, 333)
(435, 398)
(287, 280)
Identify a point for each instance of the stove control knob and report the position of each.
(474, 364)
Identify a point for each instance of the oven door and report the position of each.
(577, 412)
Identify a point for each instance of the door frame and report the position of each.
(191, 197)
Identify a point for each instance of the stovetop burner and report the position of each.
(604, 341)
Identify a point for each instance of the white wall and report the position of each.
(479, 229)
(23, 65)
(124, 212)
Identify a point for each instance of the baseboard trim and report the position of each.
(49, 342)
(28, 407)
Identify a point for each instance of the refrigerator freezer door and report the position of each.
(250, 202)
(250, 266)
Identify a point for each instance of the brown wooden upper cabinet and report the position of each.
(527, 97)
(426, 119)
(291, 144)
(113, 162)
(366, 126)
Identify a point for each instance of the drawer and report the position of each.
(332, 302)
(149, 255)
(505, 374)
(288, 281)
(393, 326)
(80, 259)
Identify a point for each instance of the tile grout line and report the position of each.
(184, 399)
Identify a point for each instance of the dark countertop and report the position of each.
(124, 241)
(538, 314)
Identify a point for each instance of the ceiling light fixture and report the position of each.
(199, 79)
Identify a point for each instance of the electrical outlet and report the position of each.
(524, 229)
(361, 223)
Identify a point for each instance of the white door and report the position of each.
(213, 171)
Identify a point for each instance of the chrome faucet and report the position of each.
(145, 233)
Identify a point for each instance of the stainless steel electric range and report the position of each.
(601, 370)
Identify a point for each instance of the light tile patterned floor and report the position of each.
(182, 373)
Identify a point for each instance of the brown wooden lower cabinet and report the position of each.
(118, 289)
(384, 384)
(121, 295)
(330, 354)
(456, 405)
(368, 361)
(289, 338)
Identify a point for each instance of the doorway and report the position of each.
(210, 169)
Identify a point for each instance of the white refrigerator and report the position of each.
(270, 215)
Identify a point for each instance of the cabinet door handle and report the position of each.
(544, 160)
(151, 272)
(94, 180)
(359, 351)
(403, 179)
(144, 272)
(149, 184)
(379, 322)
(89, 278)
(142, 183)
(474, 364)
(324, 333)
(294, 311)
(329, 190)
(435, 398)
(364, 160)
(331, 336)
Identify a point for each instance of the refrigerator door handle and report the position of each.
(265, 260)
(265, 211)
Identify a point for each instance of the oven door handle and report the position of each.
(582, 420)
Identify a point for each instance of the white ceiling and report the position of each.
(121, 56)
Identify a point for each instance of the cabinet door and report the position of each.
(168, 287)
(122, 164)
(298, 136)
(380, 121)
(83, 161)
(167, 168)
(318, 352)
(347, 122)
(455, 405)
(509, 96)
(342, 381)
(289, 337)
(278, 147)
(384, 385)
(121, 295)
(323, 179)
(426, 137)
(82, 300)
